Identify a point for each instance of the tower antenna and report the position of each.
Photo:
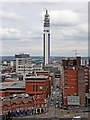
(46, 11)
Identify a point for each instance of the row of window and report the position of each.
(69, 83)
(41, 105)
(24, 67)
(69, 75)
(24, 70)
(34, 87)
(86, 83)
(86, 73)
(85, 70)
(86, 76)
(69, 87)
(69, 79)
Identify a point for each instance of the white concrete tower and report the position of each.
(46, 39)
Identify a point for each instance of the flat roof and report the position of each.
(17, 85)
(42, 71)
(40, 77)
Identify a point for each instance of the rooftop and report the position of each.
(41, 71)
(40, 77)
(22, 56)
(12, 85)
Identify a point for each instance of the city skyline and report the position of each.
(22, 28)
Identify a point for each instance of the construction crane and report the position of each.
(75, 52)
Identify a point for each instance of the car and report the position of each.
(51, 104)
(57, 102)
(56, 106)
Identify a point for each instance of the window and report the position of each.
(65, 80)
(86, 73)
(65, 76)
(65, 72)
(45, 105)
(86, 80)
(85, 70)
(86, 76)
(42, 105)
(46, 87)
(33, 87)
(65, 96)
(65, 88)
(36, 87)
(65, 84)
(38, 101)
(65, 91)
(45, 100)
(37, 105)
(86, 83)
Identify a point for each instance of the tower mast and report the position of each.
(46, 39)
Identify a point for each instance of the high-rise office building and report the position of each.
(74, 82)
(23, 63)
(46, 39)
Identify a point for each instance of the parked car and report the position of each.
(56, 106)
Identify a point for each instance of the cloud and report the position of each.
(35, 34)
(63, 17)
(10, 34)
(83, 28)
(10, 16)
(45, 1)
(66, 47)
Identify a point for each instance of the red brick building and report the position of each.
(37, 85)
(74, 80)
(23, 106)
(69, 84)
(51, 78)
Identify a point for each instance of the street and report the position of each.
(54, 104)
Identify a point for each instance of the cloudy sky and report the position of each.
(21, 28)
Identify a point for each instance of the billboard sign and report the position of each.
(73, 100)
